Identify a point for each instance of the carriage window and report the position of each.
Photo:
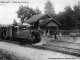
(16, 28)
(24, 28)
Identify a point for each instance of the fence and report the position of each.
(70, 32)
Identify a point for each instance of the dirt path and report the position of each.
(26, 53)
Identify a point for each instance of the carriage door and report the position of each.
(4, 32)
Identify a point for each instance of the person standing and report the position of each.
(60, 35)
(55, 35)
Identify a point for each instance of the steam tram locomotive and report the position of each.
(20, 34)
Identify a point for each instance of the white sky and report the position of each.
(8, 10)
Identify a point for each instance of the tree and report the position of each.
(61, 19)
(25, 12)
(65, 18)
(37, 11)
(76, 15)
(49, 8)
(15, 22)
(68, 17)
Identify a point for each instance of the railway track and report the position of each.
(65, 50)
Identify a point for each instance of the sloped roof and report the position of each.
(46, 21)
(35, 18)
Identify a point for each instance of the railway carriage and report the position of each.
(21, 34)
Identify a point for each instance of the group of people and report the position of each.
(56, 35)
(37, 35)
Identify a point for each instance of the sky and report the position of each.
(8, 8)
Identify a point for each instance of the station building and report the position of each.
(44, 23)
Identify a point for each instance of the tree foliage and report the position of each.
(25, 12)
(37, 11)
(49, 8)
(70, 18)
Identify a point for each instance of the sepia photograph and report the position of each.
(39, 29)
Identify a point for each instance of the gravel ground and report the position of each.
(53, 42)
(67, 47)
(17, 52)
